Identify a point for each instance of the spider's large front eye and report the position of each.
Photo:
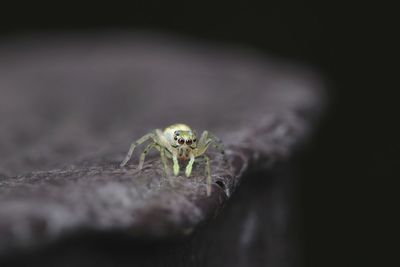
(181, 141)
(189, 142)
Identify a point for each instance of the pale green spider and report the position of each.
(178, 142)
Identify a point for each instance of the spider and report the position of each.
(178, 142)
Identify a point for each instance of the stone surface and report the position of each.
(70, 106)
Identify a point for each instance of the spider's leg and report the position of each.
(218, 145)
(189, 166)
(164, 161)
(208, 173)
(143, 155)
(162, 141)
(176, 164)
(206, 139)
(133, 145)
(202, 145)
(169, 150)
(168, 154)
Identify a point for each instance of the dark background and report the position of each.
(355, 150)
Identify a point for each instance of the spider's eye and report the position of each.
(194, 140)
(189, 142)
(175, 138)
(181, 141)
(176, 133)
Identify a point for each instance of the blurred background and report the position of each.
(353, 149)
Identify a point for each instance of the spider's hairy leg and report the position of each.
(164, 161)
(219, 146)
(133, 145)
(162, 141)
(143, 155)
(164, 144)
(206, 139)
(176, 164)
(189, 166)
(168, 150)
(208, 173)
(202, 145)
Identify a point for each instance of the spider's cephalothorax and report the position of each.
(178, 142)
(183, 140)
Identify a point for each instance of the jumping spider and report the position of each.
(178, 142)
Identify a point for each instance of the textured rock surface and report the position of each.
(70, 107)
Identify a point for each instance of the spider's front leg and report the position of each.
(133, 146)
(163, 160)
(208, 138)
(189, 166)
(176, 164)
(144, 153)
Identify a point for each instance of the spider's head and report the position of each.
(185, 139)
